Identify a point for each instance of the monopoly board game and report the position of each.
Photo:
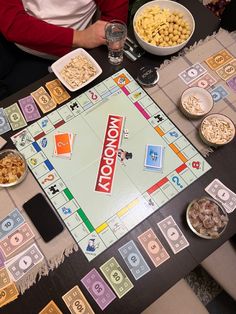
(105, 184)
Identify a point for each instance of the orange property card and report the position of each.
(62, 143)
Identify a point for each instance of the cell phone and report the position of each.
(43, 217)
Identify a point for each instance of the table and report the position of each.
(156, 282)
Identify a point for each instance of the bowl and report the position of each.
(76, 69)
(149, 25)
(217, 129)
(207, 218)
(196, 102)
(13, 167)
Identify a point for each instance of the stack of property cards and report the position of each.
(153, 157)
(63, 144)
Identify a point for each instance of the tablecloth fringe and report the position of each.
(43, 268)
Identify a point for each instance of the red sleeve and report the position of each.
(19, 27)
(113, 9)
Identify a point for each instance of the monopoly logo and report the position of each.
(109, 154)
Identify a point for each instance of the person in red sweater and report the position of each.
(46, 28)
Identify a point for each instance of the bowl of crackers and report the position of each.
(76, 69)
(13, 167)
(207, 218)
(196, 102)
(217, 129)
(163, 27)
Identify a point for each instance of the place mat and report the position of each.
(54, 251)
(168, 91)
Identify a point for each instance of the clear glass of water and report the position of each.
(115, 32)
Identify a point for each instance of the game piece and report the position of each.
(51, 308)
(20, 264)
(76, 301)
(227, 70)
(43, 100)
(57, 91)
(13, 220)
(4, 124)
(153, 156)
(8, 294)
(116, 277)
(29, 108)
(15, 117)
(205, 81)
(232, 83)
(4, 278)
(222, 194)
(126, 131)
(16, 239)
(173, 234)
(153, 247)
(98, 289)
(3, 142)
(123, 155)
(218, 93)
(126, 135)
(192, 73)
(219, 59)
(134, 260)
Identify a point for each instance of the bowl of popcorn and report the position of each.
(196, 102)
(76, 69)
(217, 129)
(163, 27)
(207, 218)
(13, 167)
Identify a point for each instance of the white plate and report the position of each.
(58, 65)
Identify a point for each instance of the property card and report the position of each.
(29, 108)
(57, 91)
(62, 143)
(116, 277)
(204, 81)
(76, 302)
(222, 194)
(173, 234)
(192, 73)
(51, 308)
(152, 245)
(13, 220)
(227, 70)
(217, 60)
(4, 124)
(4, 278)
(232, 83)
(43, 100)
(134, 260)
(16, 239)
(219, 93)
(153, 156)
(98, 289)
(8, 294)
(15, 117)
(20, 264)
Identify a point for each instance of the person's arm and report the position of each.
(19, 27)
(113, 10)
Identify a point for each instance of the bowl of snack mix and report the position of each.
(163, 27)
(217, 129)
(196, 102)
(13, 167)
(76, 69)
(207, 218)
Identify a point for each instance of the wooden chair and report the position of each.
(221, 265)
(180, 299)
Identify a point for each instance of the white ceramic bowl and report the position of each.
(58, 65)
(5, 171)
(208, 125)
(172, 6)
(196, 102)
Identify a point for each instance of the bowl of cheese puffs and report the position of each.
(163, 27)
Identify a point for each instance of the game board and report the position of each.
(99, 195)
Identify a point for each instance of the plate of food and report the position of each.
(207, 218)
(76, 69)
(13, 167)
